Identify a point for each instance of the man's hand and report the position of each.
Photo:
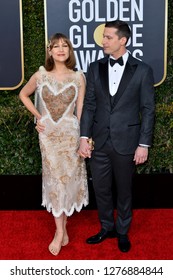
(39, 126)
(141, 155)
(84, 148)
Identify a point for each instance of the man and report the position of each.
(118, 114)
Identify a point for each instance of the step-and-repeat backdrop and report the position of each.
(11, 44)
(83, 22)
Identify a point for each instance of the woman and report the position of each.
(59, 92)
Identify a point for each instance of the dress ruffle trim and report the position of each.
(67, 213)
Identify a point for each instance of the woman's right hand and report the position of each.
(40, 127)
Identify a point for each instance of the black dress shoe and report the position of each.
(101, 236)
(124, 243)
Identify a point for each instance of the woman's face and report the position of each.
(60, 51)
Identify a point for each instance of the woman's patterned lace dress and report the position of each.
(64, 175)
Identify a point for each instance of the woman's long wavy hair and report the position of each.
(49, 62)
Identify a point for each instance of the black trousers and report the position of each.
(105, 164)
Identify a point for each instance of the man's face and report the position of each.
(112, 44)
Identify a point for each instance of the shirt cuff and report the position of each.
(144, 145)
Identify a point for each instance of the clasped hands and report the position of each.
(86, 147)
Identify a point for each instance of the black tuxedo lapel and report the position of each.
(125, 80)
(103, 73)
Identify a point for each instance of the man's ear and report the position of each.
(123, 41)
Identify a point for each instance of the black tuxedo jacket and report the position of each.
(130, 120)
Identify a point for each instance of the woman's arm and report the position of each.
(26, 91)
(81, 95)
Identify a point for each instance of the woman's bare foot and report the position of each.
(65, 239)
(55, 245)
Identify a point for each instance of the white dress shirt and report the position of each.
(115, 74)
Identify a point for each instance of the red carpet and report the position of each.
(25, 235)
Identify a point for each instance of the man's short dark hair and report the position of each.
(123, 30)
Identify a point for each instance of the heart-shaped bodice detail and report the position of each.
(57, 104)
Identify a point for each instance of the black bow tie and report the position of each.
(119, 60)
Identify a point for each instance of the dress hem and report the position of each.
(67, 213)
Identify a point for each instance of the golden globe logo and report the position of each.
(86, 36)
(98, 34)
(83, 22)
